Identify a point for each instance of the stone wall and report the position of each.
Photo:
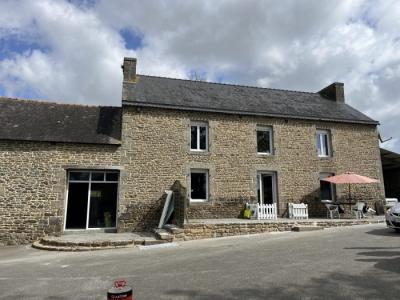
(155, 156)
(204, 231)
(33, 180)
(159, 143)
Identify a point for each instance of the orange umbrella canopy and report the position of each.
(350, 177)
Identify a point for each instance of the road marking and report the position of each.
(64, 266)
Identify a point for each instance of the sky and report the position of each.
(71, 51)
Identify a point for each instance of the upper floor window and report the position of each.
(199, 136)
(264, 140)
(324, 143)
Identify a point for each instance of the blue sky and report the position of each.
(71, 51)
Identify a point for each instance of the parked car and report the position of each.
(393, 217)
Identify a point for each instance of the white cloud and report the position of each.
(302, 45)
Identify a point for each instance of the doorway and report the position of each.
(327, 189)
(91, 200)
(266, 188)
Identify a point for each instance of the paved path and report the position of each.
(361, 262)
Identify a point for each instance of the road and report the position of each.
(361, 262)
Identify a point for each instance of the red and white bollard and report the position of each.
(120, 291)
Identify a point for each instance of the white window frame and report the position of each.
(198, 125)
(90, 181)
(319, 137)
(199, 171)
(269, 130)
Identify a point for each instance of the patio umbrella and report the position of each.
(350, 178)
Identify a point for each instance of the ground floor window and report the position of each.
(327, 189)
(92, 199)
(198, 185)
(266, 187)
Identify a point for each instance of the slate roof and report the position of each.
(151, 91)
(29, 120)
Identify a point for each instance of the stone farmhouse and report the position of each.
(217, 146)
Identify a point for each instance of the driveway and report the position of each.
(360, 262)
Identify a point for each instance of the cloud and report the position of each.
(74, 48)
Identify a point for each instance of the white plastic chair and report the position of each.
(298, 211)
(332, 210)
(358, 210)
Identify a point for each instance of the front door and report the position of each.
(92, 199)
(266, 188)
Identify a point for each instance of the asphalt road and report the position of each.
(361, 262)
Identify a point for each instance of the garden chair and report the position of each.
(332, 210)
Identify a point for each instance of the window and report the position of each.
(264, 140)
(323, 143)
(327, 189)
(198, 185)
(92, 199)
(198, 136)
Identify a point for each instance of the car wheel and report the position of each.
(397, 230)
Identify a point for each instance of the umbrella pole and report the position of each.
(350, 198)
(349, 192)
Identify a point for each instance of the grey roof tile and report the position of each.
(225, 98)
(29, 120)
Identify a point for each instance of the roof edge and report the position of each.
(110, 143)
(247, 113)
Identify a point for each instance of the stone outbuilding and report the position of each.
(217, 146)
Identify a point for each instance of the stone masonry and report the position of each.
(155, 156)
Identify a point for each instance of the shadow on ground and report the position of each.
(333, 286)
(384, 232)
(373, 284)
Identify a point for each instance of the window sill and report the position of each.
(201, 152)
(198, 202)
(261, 154)
(325, 157)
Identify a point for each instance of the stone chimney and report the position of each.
(334, 92)
(129, 69)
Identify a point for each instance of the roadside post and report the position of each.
(120, 291)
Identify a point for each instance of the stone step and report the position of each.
(150, 242)
(57, 242)
(306, 228)
(39, 245)
(95, 241)
(174, 229)
(163, 234)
